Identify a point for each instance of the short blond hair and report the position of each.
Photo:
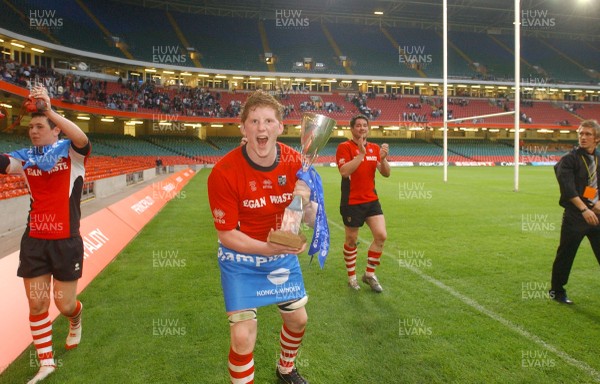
(261, 99)
(591, 124)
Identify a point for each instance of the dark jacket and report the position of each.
(572, 175)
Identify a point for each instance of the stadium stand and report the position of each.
(488, 59)
(234, 43)
(192, 148)
(544, 63)
(292, 46)
(150, 38)
(74, 28)
(211, 36)
(587, 111)
(369, 51)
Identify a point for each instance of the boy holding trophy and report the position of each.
(249, 190)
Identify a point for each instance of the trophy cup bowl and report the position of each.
(314, 134)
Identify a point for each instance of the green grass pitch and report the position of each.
(465, 271)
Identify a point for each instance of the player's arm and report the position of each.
(348, 168)
(309, 207)
(351, 166)
(310, 213)
(10, 166)
(223, 201)
(4, 164)
(383, 166)
(68, 128)
(243, 243)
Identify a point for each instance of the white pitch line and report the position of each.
(494, 316)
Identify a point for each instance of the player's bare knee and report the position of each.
(242, 345)
(292, 313)
(297, 321)
(300, 320)
(37, 306)
(380, 238)
(351, 241)
(243, 337)
(66, 307)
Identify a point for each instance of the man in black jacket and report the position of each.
(577, 173)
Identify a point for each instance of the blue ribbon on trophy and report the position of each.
(320, 239)
(315, 132)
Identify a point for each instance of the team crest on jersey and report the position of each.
(282, 179)
(370, 150)
(253, 186)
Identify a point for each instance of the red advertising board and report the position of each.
(104, 233)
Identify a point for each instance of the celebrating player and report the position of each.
(357, 161)
(51, 248)
(249, 190)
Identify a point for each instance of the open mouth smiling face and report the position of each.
(261, 128)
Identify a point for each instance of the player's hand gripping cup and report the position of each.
(314, 134)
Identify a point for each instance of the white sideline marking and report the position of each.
(494, 316)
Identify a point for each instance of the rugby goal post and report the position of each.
(517, 97)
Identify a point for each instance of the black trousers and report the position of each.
(574, 229)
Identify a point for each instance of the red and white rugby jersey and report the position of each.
(249, 197)
(359, 187)
(55, 210)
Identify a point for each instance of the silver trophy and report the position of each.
(314, 134)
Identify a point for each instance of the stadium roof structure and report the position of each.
(572, 18)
